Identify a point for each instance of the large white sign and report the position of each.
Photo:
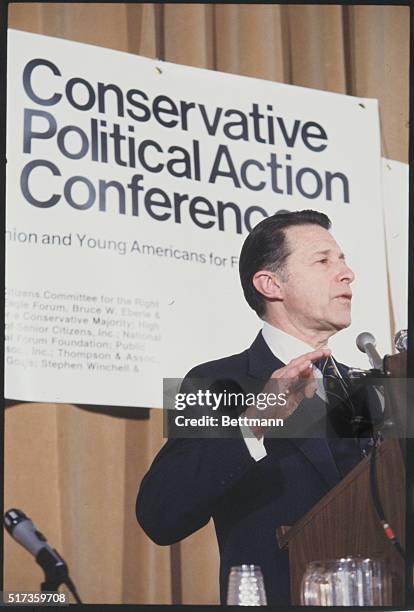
(131, 186)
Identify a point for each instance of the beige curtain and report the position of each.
(75, 472)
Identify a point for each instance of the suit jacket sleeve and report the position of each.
(186, 481)
(189, 477)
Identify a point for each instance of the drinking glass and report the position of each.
(314, 585)
(348, 581)
(246, 586)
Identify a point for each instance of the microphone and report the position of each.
(401, 340)
(23, 530)
(366, 344)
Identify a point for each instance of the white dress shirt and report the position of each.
(285, 348)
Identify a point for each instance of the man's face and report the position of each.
(316, 293)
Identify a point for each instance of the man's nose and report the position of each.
(346, 274)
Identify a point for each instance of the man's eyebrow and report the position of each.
(326, 252)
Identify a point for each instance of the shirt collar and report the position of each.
(283, 345)
(286, 347)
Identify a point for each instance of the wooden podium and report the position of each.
(344, 522)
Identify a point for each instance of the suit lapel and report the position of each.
(319, 454)
(262, 364)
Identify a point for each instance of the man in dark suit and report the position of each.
(295, 277)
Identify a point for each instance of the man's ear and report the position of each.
(268, 284)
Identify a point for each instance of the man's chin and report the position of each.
(342, 324)
(341, 319)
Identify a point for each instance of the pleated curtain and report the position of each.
(75, 472)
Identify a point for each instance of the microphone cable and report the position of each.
(69, 583)
(389, 532)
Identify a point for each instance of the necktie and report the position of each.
(342, 437)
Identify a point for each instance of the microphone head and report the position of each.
(400, 340)
(12, 518)
(363, 339)
(22, 529)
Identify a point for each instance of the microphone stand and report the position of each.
(56, 573)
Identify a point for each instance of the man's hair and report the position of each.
(266, 248)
